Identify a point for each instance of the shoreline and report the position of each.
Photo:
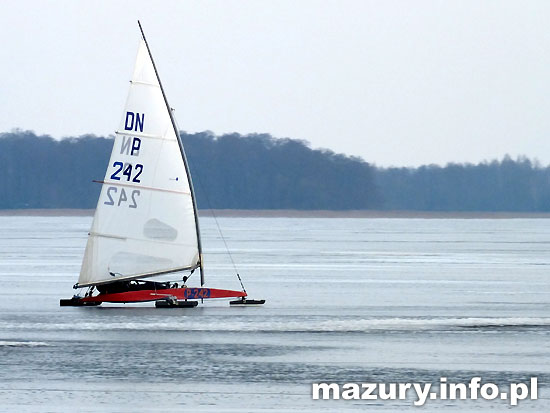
(290, 213)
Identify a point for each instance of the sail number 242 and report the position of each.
(126, 170)
(119, 196)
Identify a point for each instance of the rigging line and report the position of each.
(199, 181)
(217, 224)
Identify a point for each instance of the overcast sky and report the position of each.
(395, 82)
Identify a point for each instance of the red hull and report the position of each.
(154, 295)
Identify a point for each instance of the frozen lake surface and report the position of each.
(348, 300)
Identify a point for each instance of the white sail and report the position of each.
(144, 223)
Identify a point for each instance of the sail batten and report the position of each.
(145, 223)
(97, 234)
(143, 187)
(157, 241)
(138, 135)
(136, 82)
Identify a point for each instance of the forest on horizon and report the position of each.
(257, 171)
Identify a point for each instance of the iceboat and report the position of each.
(146, 223)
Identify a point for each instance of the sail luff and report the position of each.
(182, 150)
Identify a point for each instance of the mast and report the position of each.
(182, 150)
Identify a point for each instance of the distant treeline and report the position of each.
(229, 171)
(509, 185)
(260, 172)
